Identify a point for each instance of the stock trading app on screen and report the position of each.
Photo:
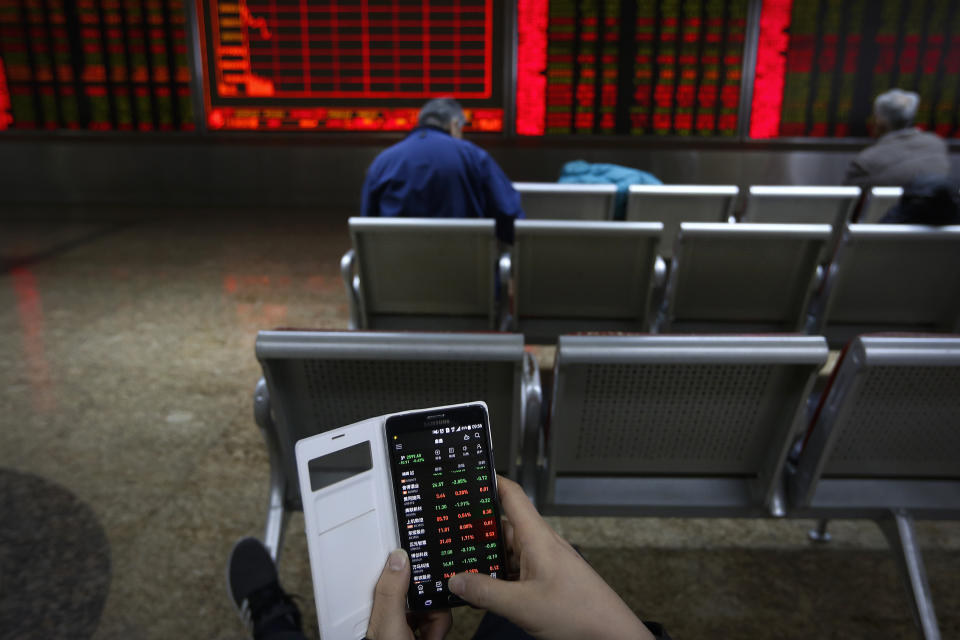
(658, 67)
(446, 509)
(350, 64)
(821, 63)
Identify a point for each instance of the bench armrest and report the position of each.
(352, 283)
(504, 308)
(532, 443)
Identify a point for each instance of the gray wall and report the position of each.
(186, 171)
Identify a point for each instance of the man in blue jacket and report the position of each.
(435, 173)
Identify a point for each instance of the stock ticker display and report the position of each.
(630, 67)
(820, 64)
(94, 65)
(446, 513)
(583, 67)
(350, 65)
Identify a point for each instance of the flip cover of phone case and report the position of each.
(350, 520)
(351, 526)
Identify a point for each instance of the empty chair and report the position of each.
(743, 277)
(556, 201)
(879, 201)
(676, 203)
(885, 444)
(315, 381)
(892, 278)
(421, 273)
(809, 205)
(583, 276)
(675, 425)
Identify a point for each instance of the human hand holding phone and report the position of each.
(557, 596)
(389, 619)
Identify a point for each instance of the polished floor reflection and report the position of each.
(127, 345)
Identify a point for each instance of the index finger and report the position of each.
(525, 520)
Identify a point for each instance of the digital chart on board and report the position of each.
(350, 65)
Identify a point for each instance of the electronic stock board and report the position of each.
(94, 65)
(353, 65)
(629, 68)
(820, 64)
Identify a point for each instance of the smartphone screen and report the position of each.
(445, 490)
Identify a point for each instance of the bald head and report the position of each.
(895, 109)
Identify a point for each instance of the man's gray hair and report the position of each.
(896, 107)
(441, 112)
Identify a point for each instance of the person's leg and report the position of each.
(254, 587)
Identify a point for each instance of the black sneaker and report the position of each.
(252, 582)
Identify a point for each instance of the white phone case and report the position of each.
(351, 525)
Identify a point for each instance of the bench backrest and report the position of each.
(887, 432)
(795, 205)
(893, 278)
(744, 277)
(320, 380)
(675, 203)
(425, 273)
(578, 276)
(710, 412)
(556, 201)
(879, 201)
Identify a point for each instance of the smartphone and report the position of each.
(445, 491)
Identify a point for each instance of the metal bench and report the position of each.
(795, 205)
(885, 444)
(558, 201)
(315, 381)
(803, 205)
(676, 203)
(674, 425)
(891, 278)
(421, 274)
(879, 201)
(743, 277)
(582, 276)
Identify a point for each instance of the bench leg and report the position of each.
(820, 533)
(898, 528)
(531, 436)
(277, 514)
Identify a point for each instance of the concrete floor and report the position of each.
(128, 366)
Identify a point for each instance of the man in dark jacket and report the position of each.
(434, 173)
(902, 151)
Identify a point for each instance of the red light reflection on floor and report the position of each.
(30, 314)
(261, 316)
(247, 292)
